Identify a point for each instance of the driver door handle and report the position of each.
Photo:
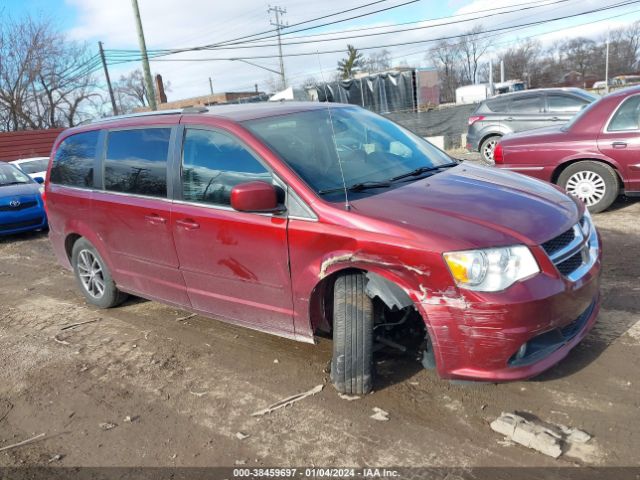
(619, 144)
(155, 219)
(188, 224)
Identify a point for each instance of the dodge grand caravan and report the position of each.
(302, 218)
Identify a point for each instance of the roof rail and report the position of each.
(195, 110)
(139, 114)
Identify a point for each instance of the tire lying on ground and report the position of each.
(93, 276)
(352, 363)
(595, 183)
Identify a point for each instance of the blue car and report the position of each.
(21, 206)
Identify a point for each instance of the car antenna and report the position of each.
(347, 205)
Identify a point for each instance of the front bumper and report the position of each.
(23, 225)
(476, 336)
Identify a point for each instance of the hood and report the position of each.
(19, 192)
(470, 206)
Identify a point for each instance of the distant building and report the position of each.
(205, 100)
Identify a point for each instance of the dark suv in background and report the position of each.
(515, 112)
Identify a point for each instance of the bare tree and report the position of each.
(473, 45)
(446, 57)
(523, 61)
(45, 80)
(580, 55)
(378, 61)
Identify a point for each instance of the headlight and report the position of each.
(492, 269)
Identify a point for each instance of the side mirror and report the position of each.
(254, 197)
(39, 180)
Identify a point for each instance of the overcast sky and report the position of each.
(186, 23)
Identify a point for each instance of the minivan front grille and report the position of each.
(574, 251)
(559, 242)
(570, 265)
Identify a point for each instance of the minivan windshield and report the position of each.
(10, 175)
(370, 151)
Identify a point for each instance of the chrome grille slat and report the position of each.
(574, 251)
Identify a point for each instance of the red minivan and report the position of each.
(302, 218)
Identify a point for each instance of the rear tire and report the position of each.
(93, 276)
(487, 147)
(595, 183)
(352, 363)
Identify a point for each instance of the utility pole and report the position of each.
(606, 66)
(145, 58)
(211, 85)
(278, 11)
(106, 74)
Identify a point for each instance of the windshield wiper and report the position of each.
(357, 187)
(421, 170)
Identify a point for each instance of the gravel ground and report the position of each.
(147, 385)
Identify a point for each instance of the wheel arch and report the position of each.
(487, 135)
(567, 163)
(77, 230)
(388, 286)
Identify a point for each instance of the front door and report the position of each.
(235, 264)
(621, 141)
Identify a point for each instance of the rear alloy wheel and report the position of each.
(596, 184)
(352, 363)
(487, 148)
(93, 276)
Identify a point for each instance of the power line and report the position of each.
(164, 52)
(277, 22)
(502, 29)
(383, 33)
(421, 51)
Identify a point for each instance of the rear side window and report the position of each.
(213, 163)
(532, 104)
(627, 117)
(73, 163)
(136, 161)
(498, 105)
(564, 104)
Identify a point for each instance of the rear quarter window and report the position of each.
(136, 161)
(627, 117)
(74, 159)
(497, 105)
(528, 104)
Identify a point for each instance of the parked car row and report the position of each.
(519, 111)
(595, 156)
